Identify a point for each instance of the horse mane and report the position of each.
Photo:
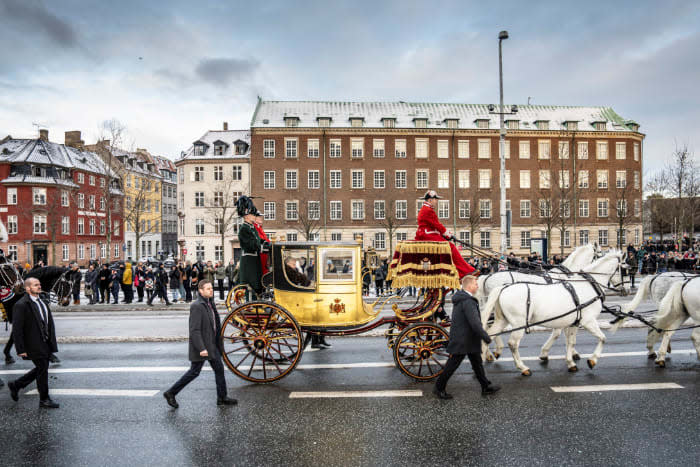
(572, 259)
(612, 254)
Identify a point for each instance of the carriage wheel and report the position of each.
(236, 296)
(420, 351)
(262, 342)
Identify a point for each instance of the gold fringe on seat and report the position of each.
(412, 274)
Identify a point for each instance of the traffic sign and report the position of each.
(184, 251)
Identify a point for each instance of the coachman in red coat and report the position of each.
(259, 216)
(431, 229)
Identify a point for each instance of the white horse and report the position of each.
(681, 302)
(549, 304)
(577, 260)
(3, 233)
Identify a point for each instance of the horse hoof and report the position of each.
(576, 357)
(527, 373)
(489, 358)
(651, 355)
(669, 348)
(573, 369)
(496, 355)
(661, 363)
(544, 358)
(591, 364)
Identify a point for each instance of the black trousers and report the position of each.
(193, 372)
(8, 346)
(453, 363)
(188, 291)
(139, 291)
(160, 291)
(40, 373)
(104, 293)
(220, 282)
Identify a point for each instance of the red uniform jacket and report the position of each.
(263, 256)
(429, 226)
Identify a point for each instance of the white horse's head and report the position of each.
(607, 270)
(580, 258)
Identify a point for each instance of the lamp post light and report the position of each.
(502, 142)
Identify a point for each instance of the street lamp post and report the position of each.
(502, 142)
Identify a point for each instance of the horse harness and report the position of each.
(685, 282)
(685, 276)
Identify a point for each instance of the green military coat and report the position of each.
(250, 269)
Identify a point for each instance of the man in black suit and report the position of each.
(466, 334)
(35, 340)
(205, 327)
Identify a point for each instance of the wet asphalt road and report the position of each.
(524, 424)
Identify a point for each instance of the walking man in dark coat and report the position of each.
(466, 334)
(205, 345)
(35, 340)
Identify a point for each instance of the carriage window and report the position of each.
(299, 268)
(338, 264)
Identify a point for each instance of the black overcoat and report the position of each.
(466, 331)
(30, 332)
(205, 327)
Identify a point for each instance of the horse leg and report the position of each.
(499, 347)
(497, 326)
(652, 338)
(544, 352)
(593, 328)
(514, 343)
(695, 336)
(666, 341)
(570, 335)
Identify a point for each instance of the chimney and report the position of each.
(73, 140)
(44, 135)
(225, 126)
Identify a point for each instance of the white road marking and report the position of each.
(99, 392)
(616, 387)
(344, 394)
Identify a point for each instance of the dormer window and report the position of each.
(389, 122)
(452, 123)
(542, 124)
(571, 126)
(241, 148)
(513, 124)
(324, 121)
(291, 121)
(219, 150)
(420, 122)
(482, 123)
(599, 126)
(633, 126)
(356, 122)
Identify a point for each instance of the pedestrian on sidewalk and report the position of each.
(379, 280)
(209, 272)
(35, 340)
(205, 345)
(194, 279)
(181, 287)
(186, 282)
(115, 285)
(220, 275)
(466, 334)
(139, 280)
(127, 282)
(161, 286)
(76, 276)
(149, 283)
(174, 282)
(230, 274)
(91, 284)
(104, 277)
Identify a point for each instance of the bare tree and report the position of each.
(54, 210)
(221, 210)
(622, 211)
(473, 218)
(137, 211)
(547, 203)
(390, 221)
(308, 218)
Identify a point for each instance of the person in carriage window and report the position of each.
(293, 274)
(431, 229)
(331, 267)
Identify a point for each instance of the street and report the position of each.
(527, 422)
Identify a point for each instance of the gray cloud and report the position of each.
(34, 14)
(221, 71)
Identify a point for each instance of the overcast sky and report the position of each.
(170, 70)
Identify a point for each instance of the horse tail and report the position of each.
(492, 305)
(642, 293)
(670, 304)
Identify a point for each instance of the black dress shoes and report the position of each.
(171, 400)
(54, 359)
(491, 389)
(226, 401)
(322, 341)
(442, 394)
(14, 392)
(9, 360)
(48, 404)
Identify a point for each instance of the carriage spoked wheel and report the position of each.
(236, 296)
(420, 351)
(262, 342)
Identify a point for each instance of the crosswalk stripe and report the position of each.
(99, 392)
(616, 387)
(354, 394)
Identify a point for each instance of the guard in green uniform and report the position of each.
(250, 270)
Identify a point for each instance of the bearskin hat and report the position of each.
(245, 206)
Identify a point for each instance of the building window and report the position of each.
(400, 179)
(564, 181)
(525, 239)
(199, 226)
(314, 179)
(218, 173)
(400, 148)
(443, 149)
(563, 149)
(356, 122)
(601, 150)
(621, 207)
(545, 208)
(506, 178)
(218, 198)
(602, 177)
(463, 149)
(64, 198)
(389, 122)
(379, 179)
(583, 208)
(292, 237)
(335, 148)
(291, 179)
(269, 148)
(199, 252)
(465, 237)
(401, 236)
(421, 148)
(324, 122)
(620, 179)
(336, 179)
(291, 210)
(636, 151)
(582, 150)
(358, 179)
(358, 209)
(542, 124)
(636, 181)
(564, 208)
(39, 224)
(512, 124)
(463, 178)
(65, 225)
(269, 208)
(485, 239)
(603, 237)
(81, 226)
(544, 149)
(81, 251)
(484, 178)
(314, 209)
(602, 208)
(12, 196)
(291, 121)
(545, 181)
(269, 180)
(464, 209)
(421, 179)
(525, 208)
(198, 174)
(336, 210)
(379, 241)
(524, 179)
(566, 240)
(379, 210)
(182, 226)
(401, 209)
(81, 178)
(357, 147)
(482, 124)
(218, 253)
(443, 178)
(199, 199)
(637, 208)
(378, 148)
(444, 209)
(336, 236)
(39, 196)
(291, 146)
(583, 179)
(485, 209)
(11, 224)
(484, 149)
(524, 149)
(620, 151)
(65, 252)
(312, 148)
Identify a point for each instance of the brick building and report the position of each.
(343, 170)
(52, 201)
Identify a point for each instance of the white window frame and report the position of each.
(602, 179)
(291, 148)
(601, 150)
(291, 210)
(355, 213)
(483, 148)
(269, 180)
(464, 209)
(463, 149)
(378, 149)
(357, 148)
(401, 209)
(524, 149)
(484, 178)
(336, 210)
(422, 148)
(443, 149)
(335, 148)
(379, 179)
(400, 176)
(335, 179)
(525, 208)
(544, 149)
(463, 179)
(269, 149)
(525, 179)
(12, 196)
(400, 149)
(270, 209)
(313, 179)
(485, 209)
(312, 148)
(443, 209)
(584, 208)
(357, 179)
(420, 179)
(443, 179)
(379, 209)
(291, 179)
(620, 150)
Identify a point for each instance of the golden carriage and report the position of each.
(263, 339)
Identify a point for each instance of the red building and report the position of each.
(56, 201)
